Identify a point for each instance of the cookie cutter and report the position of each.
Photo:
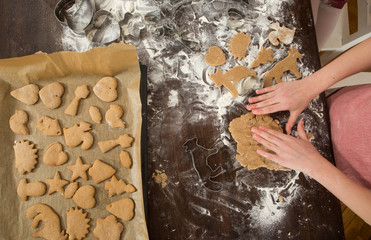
(104, 28)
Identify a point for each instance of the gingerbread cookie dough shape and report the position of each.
(52, 226)
(118, 187)
(263, 57)
(95, 114)
(108, 228)
(238, 45)
(77, 223)
(51, 95)
(286, 64)
(18, 122)
(84, 197)
(54, 155)
(123, 209)
(25, 156)
(215, 56)
(101, 171)
(49, 126)
(124, 141)
(28, 94)
(247, 156)
(81, 92)
(79, 169)
(56, 184)
(78, 134)
(106, 89)
(231, 78)
(25, 190)
(283, 34)
(113, 116)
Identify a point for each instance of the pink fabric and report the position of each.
(350, 117)
(336, 3)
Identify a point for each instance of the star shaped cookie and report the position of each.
(56, 184)
(79, 169)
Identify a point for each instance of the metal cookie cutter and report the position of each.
(76, 14)
(104, 28)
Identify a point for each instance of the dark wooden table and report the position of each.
(199, 202)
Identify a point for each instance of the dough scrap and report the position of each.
(56, 184)
(108, 228)
(160, 178)
(231, 78)
(247, 156)
(54, 155)
(101, 171)
(25, 190)
(125, 159)
(51, 95)
(78, 134)
(283, 34)
(18, 122)
(105, 89)
(238, 45)
(263, 57)
(25, 156)
(28, 94)
(79, 169)
(123, 209)
(215, 56)
(286, 64)
(95, 114)
(81, 92)
(84, 197)
(113, 116)
(77, 223)
(49, 126)
(118, 187)
(52, 225)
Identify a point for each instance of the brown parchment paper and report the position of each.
(71, 69)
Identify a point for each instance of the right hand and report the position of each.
(292, 96)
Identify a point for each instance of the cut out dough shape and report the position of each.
(108, 228)
(286, 64)
(79, 169)
(32, 189)
(283, 34)
(18, 122)
(78, 134)
(49, 126)
(77, 223)
(123, 209)
(118, 187)
(238, 45)
(52, 226)
(81, 92)
(105, 89)
(95, 114)
(247, 156)
(28, 94)
(54, 155)
(263, 57)
(25, 156)
(56, 184)
(124, 141)
(101, 171)
(84, 197)
(51, 95)
(215, 56)
(71, 189)
(113, 116)
(125, 159)
(231, 78)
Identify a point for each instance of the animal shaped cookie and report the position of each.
(52, 226)
(54, 155)
(283, 34)
(108, 228)
(238, 45)
(77, 223)
(215, 56)
(81, 92)
(28, 94)
(51, 95)
(106, 89)
(124, 141)
(118, 187)
(264, 56)
(287, 64)
(78, 134)
(231, 78)
(49, 126)
(101, 171)
(18, 122)
(25, 190)
(25, 156)
(113, 116)
(84, 197)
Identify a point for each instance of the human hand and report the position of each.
(295, 153)
(292, 96)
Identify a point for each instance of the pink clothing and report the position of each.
(350, 117)
(336, 3)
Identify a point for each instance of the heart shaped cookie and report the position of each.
(106, 89)
(84, 196)
(123, 209)
(54, 155)
(215, 56)
(51, 95)
(28, 94)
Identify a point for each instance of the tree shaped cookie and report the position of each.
(264, 56)
(25, 156)
(287, 64)
(238, 45)
(118, 187)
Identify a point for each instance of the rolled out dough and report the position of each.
(247, 156)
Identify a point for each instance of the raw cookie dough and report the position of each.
(263, 57)
(215, 56)
(284, 34)
(238, 45)
(247, 156)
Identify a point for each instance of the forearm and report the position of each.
(355, 196)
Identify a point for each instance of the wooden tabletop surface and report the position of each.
(207, 195)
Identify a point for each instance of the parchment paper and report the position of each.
(71, 69)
